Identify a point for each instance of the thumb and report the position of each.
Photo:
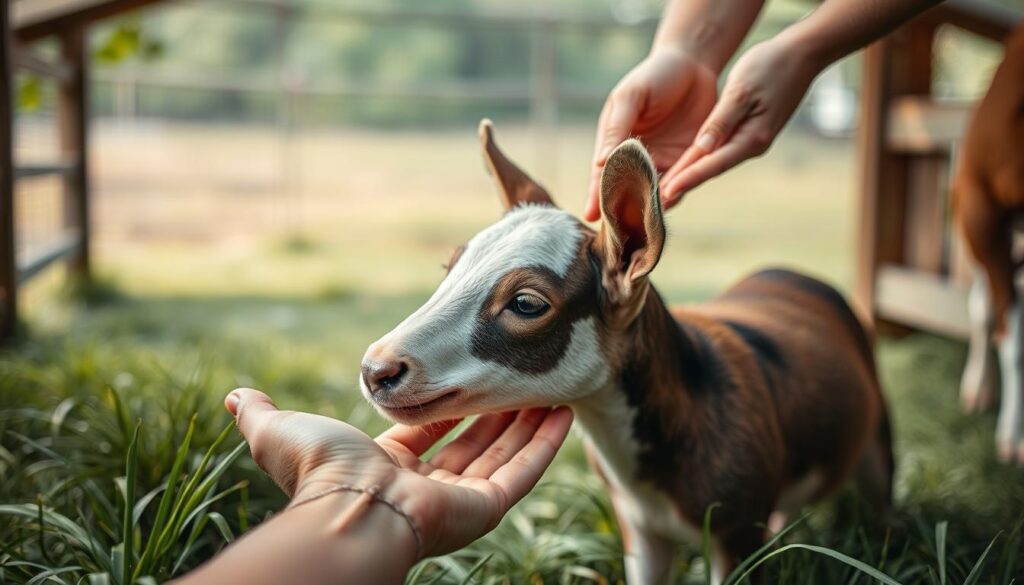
(623, 111)
(255, 414)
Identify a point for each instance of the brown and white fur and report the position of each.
(762, 399)
(988, 198)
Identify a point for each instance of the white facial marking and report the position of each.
(439, 336)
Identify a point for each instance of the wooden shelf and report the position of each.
(63, 167)
(36, 261)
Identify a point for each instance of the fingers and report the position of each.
(517, 477)
(416, 440)
(706, 168)
(505, 447)
(623, 112)
(458, 454)
(616, 123)
(725, 118)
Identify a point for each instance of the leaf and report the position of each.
(127, 525)
(859, 565)
(940, 549)
(975, 573)
(706, 542)
(222, 526)
(30, 94)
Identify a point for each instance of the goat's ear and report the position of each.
(514, 186)
(632, 229)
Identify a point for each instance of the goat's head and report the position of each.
(533, 308)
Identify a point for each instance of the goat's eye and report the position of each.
(528, 305)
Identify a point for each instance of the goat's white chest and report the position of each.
(607, 422)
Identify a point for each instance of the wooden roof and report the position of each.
(33, 19)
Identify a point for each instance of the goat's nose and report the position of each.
(386, 374)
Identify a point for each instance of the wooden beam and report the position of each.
(898, 65)
(63, 167)
(923, 301)
(29, 61)
(921, 125)
(31, 264)
(986, 19)
(73, 126)
(8, 269)
(927, 204)
(36, 19)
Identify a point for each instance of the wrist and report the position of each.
(691, 49)
(369, 531)
(807, 45)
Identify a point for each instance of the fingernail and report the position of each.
(605, 153)
(231, 402)
(706, 141)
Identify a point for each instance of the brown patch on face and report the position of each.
(535, 345)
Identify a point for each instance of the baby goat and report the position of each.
(988, 197)
(762, 399)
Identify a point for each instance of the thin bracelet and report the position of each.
(372, 494)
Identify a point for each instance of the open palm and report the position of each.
(454, 498)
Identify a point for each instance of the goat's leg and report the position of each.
(648, 559)
(732, 548)
(1010, 426)
(978, 380)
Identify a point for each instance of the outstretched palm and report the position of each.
(455, 497)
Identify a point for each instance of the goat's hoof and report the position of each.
(976, 400)
(1011, 452)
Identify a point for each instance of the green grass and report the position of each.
(112, 398)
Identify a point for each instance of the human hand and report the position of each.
(662, 101)
(760, 95)
(453, 499)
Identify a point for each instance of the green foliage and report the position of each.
(30, 93)
(127, 39)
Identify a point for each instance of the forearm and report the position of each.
(711, 30)
(315, 544)
(839, 27)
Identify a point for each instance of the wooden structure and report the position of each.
(912, 268)
(22, 22)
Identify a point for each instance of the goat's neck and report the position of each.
(647, 390)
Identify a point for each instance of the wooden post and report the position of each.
(73, 120)
(897, 65)
(8, 266)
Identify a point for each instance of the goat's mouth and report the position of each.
(416, 410)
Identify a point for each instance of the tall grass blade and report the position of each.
(859, 565)
(706, 542)
(975, 573)
(128, 525)
(734, 577)
(468, 580)
(164, 508)
(940, 549)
